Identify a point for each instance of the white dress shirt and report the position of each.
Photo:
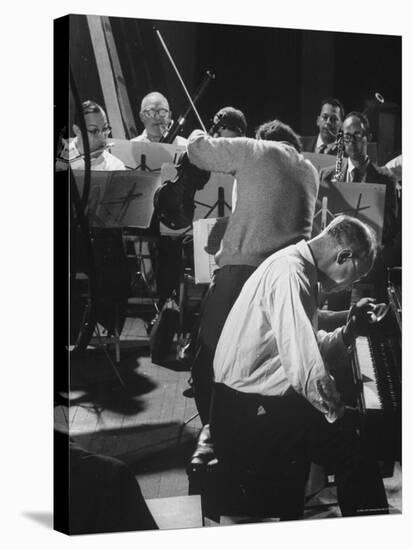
(320, 142)
(105, 161)
(270, 340)
(362, 169)
(395, 167)
(143, 137)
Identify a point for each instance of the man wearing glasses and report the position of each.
(329, 122)
(98, 131)
(156, 118)
(358, 168)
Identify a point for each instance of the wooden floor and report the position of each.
(142, 423)
(148, 423)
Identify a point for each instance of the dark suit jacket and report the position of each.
(375, 174)
(309, 145)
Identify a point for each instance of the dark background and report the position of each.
(266, 72)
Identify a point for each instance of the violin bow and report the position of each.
(179, 77)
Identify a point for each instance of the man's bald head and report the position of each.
(154, 98)
(155, 115)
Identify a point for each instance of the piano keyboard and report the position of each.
(376, 368)
(377, 381)
(367, 370)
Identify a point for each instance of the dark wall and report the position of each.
(257, 70)
(145, 64)
(367, 63)
(286, 73)
(83, 64)
(266, 72)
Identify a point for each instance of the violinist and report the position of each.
(98, 131)
(229, 122)
(156, 118)
(277, 191)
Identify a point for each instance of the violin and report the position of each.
(174, 199)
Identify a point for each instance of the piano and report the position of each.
(376, 370)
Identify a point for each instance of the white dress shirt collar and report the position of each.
(320, 142)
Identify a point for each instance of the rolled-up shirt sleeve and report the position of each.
(332, 347)
(297, 341)
(224, 155)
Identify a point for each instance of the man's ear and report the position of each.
(76, 131)
(141, 118)
(344, 255)
(318, 121)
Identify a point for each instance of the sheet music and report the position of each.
(207, 236)
(120, 198)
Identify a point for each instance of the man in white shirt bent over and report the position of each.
(274, 399)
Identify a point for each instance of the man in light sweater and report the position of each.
(276, 196)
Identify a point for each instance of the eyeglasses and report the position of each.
(96, 131)
(357, 136)
(151, 113)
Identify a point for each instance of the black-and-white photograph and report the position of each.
(230, 340)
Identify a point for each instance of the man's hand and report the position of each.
(361, 316)
(329, 399)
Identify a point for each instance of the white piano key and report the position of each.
(370, 394)
(365, 361)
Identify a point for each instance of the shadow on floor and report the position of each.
(96, 379)
(175, 456)
(147, 447)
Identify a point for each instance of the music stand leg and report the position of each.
(116, 334)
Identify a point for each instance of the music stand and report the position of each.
(120, 199)
(220, 204)
(123, 200)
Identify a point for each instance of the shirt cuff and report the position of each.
(341, 343)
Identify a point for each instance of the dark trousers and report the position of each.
(222, 294)
(254, 431)
(168, 268)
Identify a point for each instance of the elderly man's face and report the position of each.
(329, 122)
(155, 116)
(342, 272)
(355, 139)
(97, 131)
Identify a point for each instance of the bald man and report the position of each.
(156, 117)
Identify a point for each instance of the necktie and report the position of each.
(322, 148)
(356, 175)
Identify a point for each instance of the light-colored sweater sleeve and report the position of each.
(225, 155)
